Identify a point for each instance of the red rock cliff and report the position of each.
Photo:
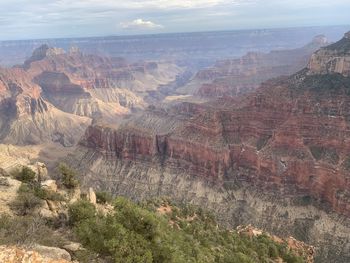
(292, 136)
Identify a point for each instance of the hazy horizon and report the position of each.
(88, 18)
(149, 34)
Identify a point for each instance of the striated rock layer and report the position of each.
(27, 118)
(268, 159)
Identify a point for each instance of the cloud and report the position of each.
(140, 24)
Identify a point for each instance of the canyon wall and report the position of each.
(277, 158)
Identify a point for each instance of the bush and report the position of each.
(25, 203)
(47, 194)
(27, 230)
(26, 175)
(69, 176)
(80, 211)
(38, 191)
(103, 197)
(138, 234)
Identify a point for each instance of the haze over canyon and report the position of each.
(253, 125)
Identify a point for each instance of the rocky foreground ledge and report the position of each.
(13, 254)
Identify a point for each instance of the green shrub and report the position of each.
(25, 203)
(35, 189)
(80, 211)
(47, 194)
(86, 256)
(68, 176)
(25, 175)
(26, 230)
(103, 197)
(138, 234)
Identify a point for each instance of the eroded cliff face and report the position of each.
(94, 86)
(27, 118)
(269, 158)
(332, 59)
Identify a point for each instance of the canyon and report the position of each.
(54, 95)
(232, 77)
(260, 139)
(277, 158)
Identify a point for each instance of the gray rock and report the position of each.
(52, 252)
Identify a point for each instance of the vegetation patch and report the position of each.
(27, 230)
(26, 202)
(325, 82)
(68, 176)
(103, 197)
(25, 175)
(342, 46)
(138, 233)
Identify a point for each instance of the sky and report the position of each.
(31, 19)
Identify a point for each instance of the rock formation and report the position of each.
(269, 158)
(27, 118)
(334, 58)
(55, 95)
(13, 254)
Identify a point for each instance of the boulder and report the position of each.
(92, 196)
(52, 252)
(50, 185)
(73, 247)
(40, 170)
(14, 254)
(75, 195)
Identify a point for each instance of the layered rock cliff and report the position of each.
(27, 118)
(269, 158)
(94, 86)
(332, 59)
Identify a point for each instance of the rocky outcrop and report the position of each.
(27, 118)
(42, 52)
(332, 59)
(53, 252)
(13, 254)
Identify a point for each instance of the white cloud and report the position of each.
(140, 24)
